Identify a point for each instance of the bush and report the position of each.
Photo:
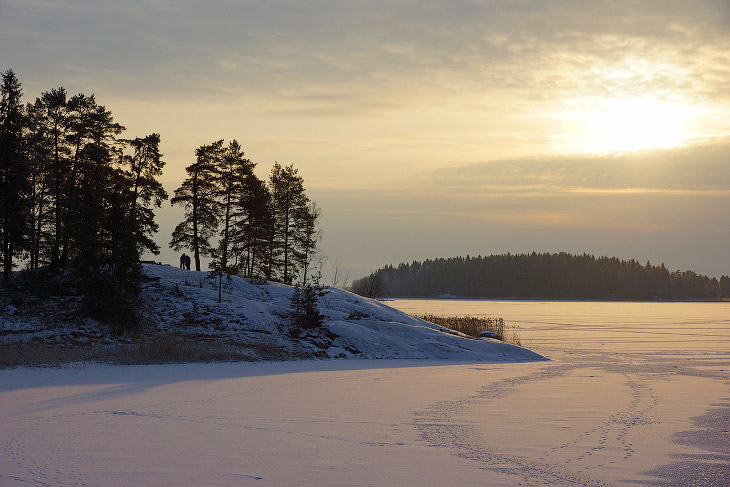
(305, 306)
(305, 303)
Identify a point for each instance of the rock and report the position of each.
(321, 343)
(487, 334)
(337, 352)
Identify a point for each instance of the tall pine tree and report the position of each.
(197, 195)
(50, 121)
(253, 228)
(307, 237)
(288, 204)
(14, 172)
(231, 175)
(93, 135)
(144, 165)
(39, 145)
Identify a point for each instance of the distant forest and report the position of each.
(545, 275)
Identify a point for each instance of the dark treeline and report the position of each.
(543, 275)
(76, 199)
(77, 205)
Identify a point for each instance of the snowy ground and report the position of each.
(255, 317)
(354, 327)
(636, 394)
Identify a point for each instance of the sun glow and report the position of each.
(630, 124)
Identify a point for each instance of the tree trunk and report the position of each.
(37, 248)
(286, 245)
(7, 260)
(196, 245)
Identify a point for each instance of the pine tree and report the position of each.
(231, 175)
(116, 283)
(307, 237)
(50, 125)
(93, 136)
(144, 166)
(288, 202)
(40, 150)
(305, 303)
(78, 134)
(14, 174)
(253, 227)
(197, 195)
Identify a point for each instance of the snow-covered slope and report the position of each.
(186, 303)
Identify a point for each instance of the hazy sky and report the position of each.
(426, 129)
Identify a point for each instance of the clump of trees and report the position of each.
(545, 275)
(267, 229)
(75, 197)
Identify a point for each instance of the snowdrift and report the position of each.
(257, 313)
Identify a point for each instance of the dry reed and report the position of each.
(472, 326)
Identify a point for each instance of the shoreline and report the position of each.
(561, 300)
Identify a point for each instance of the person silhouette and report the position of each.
(187, 262)
(183, 260)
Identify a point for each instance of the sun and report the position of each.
(633, 124)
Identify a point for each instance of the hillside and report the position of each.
(183, 321)
(546, 275)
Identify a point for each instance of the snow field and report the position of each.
(304, 423)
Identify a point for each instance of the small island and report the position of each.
(541, 276)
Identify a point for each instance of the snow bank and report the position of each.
(186, 302)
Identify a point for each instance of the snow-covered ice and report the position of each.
(634, 394)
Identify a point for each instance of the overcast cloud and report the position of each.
(423, 128)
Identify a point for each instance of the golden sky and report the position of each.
(423, 128)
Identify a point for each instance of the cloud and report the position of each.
(696, 169)
(286, 48)
(665, 206)
(397, 101)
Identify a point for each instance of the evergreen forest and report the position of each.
(544, 275)
(77, 202)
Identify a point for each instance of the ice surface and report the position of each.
(633, 395)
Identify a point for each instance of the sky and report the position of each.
(426, 129)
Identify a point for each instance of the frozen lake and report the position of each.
(699, 328)
(637, 392)
(634, 394)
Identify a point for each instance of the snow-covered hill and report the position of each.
(256, 317)
(353, 327)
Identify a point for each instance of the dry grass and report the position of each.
(169, 349)
(163, 349)
(472, 326)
